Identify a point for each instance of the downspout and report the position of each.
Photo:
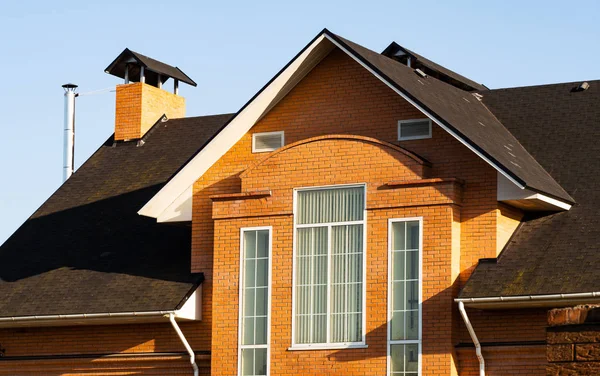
(463, 312)
(185, 343)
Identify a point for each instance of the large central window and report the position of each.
(329, 267)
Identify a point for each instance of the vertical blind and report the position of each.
(404, 330)
(329, 266)
(254, 305)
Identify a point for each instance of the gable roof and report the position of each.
(117, 67)
(85, 250)
(456, 111)
(417, 59)
(560, 253)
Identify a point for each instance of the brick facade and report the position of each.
(139, 106)
(341, 98)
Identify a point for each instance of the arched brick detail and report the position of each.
(371, 140)
(333, 159)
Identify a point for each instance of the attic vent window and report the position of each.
(414, 129)
(268, 141)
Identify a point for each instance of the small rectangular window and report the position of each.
(268, 141)
(414, 129)
(254, 302)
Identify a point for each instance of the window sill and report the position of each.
(328, 347)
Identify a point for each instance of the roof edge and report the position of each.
(529, 301)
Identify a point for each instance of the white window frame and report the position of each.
(328, 345)
(410, 121)
(264, 150)
(419, 341)
(241, 295)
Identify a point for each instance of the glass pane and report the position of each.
(260, 362)
(397, 331)
(320, 269)
(412, 265)
(247, 362)
(411, 355)
(397, 358)
(261, 331)
(248, 302)
(330, 205)
(248, 332)
(302, 329)
(398, 265)
(319, 299)
(412, 324)
(412, 295)
(262, 247)
(354, 325)
(250, 244)
(261, 301)
(398, 303)
(262, 274)
(412, 235)
(398, 239)
(303, 299)
(249, 270)
(319, 328)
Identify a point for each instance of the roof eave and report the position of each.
(531, 301)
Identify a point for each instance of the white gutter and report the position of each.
(463, 312)
(80, 316)
(185, 343)
(529, 298)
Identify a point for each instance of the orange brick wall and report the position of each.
(136, 340)
(339, 97)
(139, 106)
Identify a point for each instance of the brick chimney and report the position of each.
(141, 100)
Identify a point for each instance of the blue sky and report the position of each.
(231, 49)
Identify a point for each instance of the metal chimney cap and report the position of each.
(70, 86)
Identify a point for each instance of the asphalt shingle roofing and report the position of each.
(559, 253)
(86, 250)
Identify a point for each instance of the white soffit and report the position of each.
(526, 199)
(174, 199)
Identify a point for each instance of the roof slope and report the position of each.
(467, 82)
(86, 250)
(558, 253)
(465, 115)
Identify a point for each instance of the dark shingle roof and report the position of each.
(117, 68)
(461, 112)
(86, 250)
(559, 253)
(465, 82)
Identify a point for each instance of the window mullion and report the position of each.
(330, 270)
(311, 327)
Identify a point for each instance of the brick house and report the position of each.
(363, 214)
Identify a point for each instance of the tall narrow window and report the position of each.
(254, 304)
(329, 267)
(404, 324)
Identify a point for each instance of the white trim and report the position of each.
(411, 121)
(525, 198)
(241, 294)
(334, 345)
(263, 150)
(434, 119)
(419, 341)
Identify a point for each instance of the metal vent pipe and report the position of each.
(69, 135)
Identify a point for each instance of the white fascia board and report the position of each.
(226, 138)
(507, 192)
